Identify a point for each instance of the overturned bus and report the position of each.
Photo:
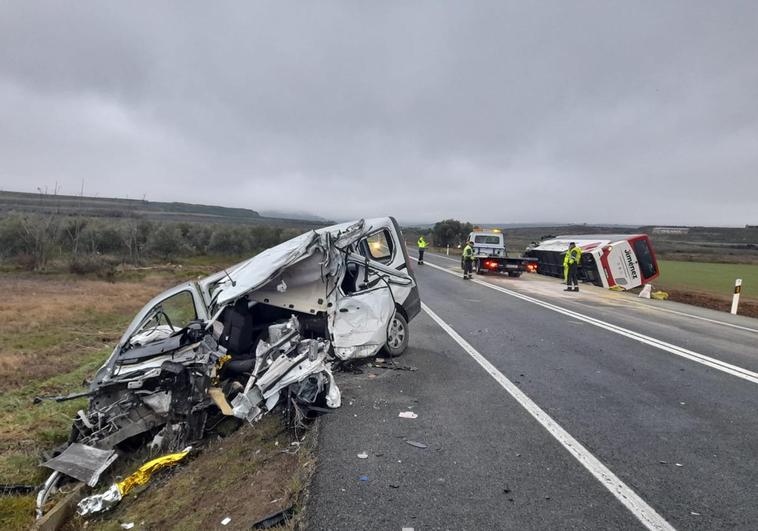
(608, 260)
(241, 341)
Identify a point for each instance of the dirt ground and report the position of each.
(747, 307)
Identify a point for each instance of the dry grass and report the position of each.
(47, 325)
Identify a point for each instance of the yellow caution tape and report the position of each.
(143, 473)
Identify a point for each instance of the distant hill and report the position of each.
(110, 207)
(307, 216)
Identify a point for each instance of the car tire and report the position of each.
(398, 336)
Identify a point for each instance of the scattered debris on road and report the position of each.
(417, 444)
(407, 415)
(392, 366)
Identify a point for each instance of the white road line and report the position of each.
(636, 505)
(685, 314)
(716, 321)
(440, 256)
(728, 368)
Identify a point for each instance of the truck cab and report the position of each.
(488, 243)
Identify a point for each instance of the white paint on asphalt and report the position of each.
(715, 321)
(713, 363)
(667, 310)
(440, 256)
(636, 505)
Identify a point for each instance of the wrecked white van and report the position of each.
(350, 282)
(238, 342)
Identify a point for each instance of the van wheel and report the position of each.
(397, 336)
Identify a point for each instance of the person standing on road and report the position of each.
(421, 248)
(571, 267)
(468, 260)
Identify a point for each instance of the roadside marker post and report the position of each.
(736, 298)
(447, 250)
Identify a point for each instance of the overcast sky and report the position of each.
(617, 112)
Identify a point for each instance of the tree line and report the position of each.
(448, 232)
(87, 244)
(33, 241)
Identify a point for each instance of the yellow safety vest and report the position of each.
(468, 252)
(573, 256)
(422, 243)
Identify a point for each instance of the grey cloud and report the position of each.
(503, 111)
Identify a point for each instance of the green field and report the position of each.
(716, 279)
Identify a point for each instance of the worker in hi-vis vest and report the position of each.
(571, 262)
(468, 260)
(421, 248)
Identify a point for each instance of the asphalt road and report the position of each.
(621, 414)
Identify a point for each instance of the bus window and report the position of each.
(645, 258)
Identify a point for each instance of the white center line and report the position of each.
(636, 505)
(728, 368)
(715, 321)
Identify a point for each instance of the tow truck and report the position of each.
(491, 255)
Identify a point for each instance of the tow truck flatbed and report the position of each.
(491, 255)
